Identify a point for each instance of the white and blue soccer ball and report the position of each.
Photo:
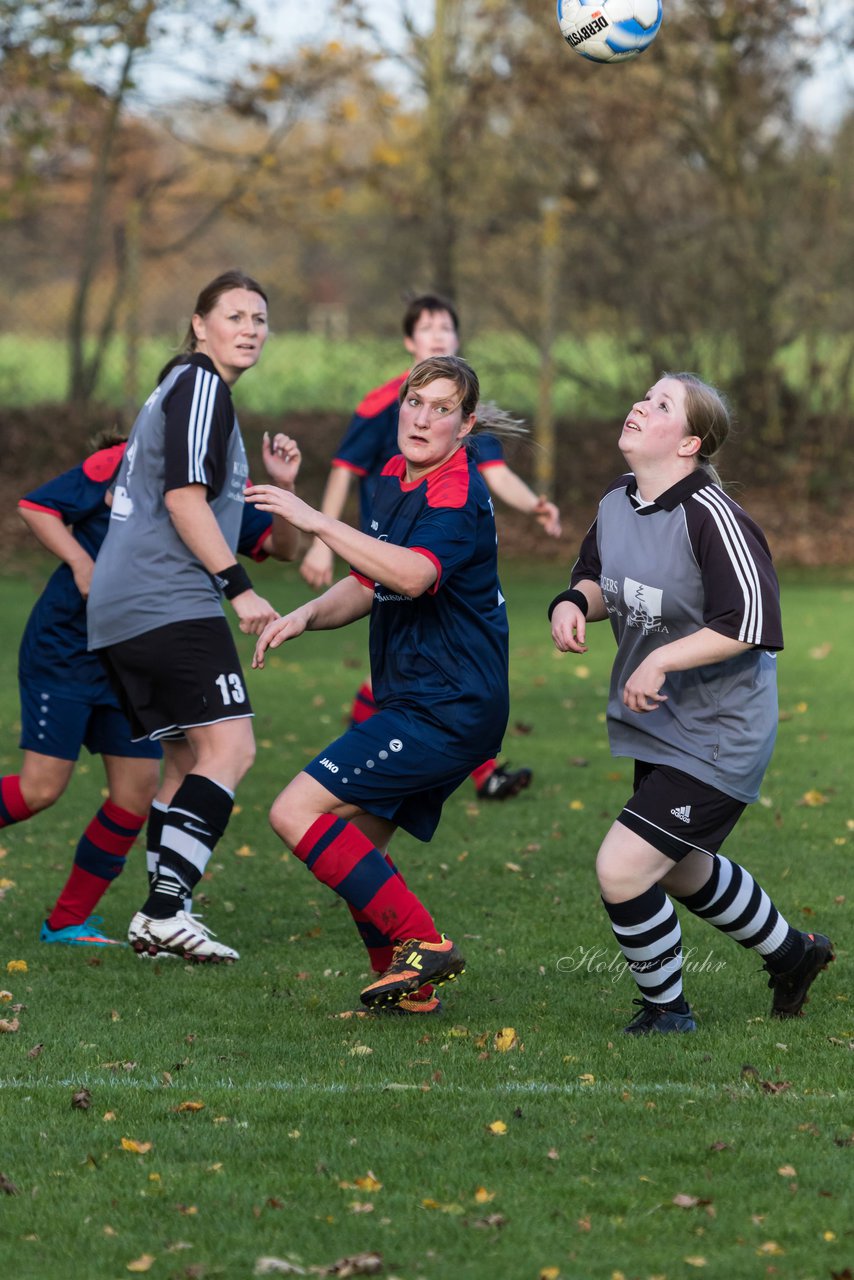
(609, 30)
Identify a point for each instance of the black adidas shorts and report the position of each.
(675, 813)
(181, 676)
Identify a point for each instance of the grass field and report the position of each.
(596, 374)
(232, 1118)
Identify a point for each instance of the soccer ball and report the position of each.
(609, 30)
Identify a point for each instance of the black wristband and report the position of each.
(232, 581)
(571, 597)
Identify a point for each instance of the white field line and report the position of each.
(569, 1089)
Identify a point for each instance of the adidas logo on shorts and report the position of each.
(683, 813)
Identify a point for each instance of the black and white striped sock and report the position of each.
(194, 822)
(648, 932)
(733, 902)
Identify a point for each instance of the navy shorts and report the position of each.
(181, 676)
(382, 767)
(59, 727)
(675, 813)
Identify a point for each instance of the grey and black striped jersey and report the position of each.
(145, 575)
(692, 559)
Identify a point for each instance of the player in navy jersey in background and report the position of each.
(155, 611)
(430, 328)
(66, 697)
(686, 578)
(427, 573)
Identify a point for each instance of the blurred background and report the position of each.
(595, 225)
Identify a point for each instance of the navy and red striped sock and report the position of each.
(100, 857)
(482, 772)
(13, 806)
(339, 855)
(364, 705)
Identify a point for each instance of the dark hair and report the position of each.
(205, 303)
(455, 369)
(431, 303)
(708, 416)
(107, 438)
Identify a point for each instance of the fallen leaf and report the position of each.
(278, 1267)
(787, 1171)
(770, 1249)
(491, 1220)
(512, 866)
(360, 1051)
(7, 1186)
(553, 1153)
(9, 1025)
(5, 997)
(17, 966)
(188, 1210)
(497, 1127)
(549, 1273)
(359, 1206)
(587, 1079)
(683, 1201)
(359, 1264)
(244, 852)
(695, 1260)
(35, 1051)
(482, 1196)
(441, 1207)
(131, 1144)
(505, 1040)
(190, 1106)
(368, 1182)
(81, 1100)
(142, 1263)
(813, 799)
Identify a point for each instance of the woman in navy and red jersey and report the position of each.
(430, 328)
(66, 698)
(427, 574)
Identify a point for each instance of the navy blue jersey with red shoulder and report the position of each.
(445, 652)
(371, 440)
(53, 648)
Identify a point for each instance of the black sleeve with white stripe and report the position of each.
(741, 592)
(199, 419)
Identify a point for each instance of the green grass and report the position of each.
(602, 1132)
(306, 373)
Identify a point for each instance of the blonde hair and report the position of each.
(455, 369)
(708, 416)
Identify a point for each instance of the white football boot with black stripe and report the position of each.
(183, 935)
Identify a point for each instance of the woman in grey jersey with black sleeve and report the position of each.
(155, 611)
(686, 578)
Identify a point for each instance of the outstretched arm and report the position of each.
(343, 603)
(317, 562)
(395, 567)
(509, 487)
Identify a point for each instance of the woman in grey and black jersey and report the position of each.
(155, 611)
(686, 578)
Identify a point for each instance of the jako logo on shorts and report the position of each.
(327, 764)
